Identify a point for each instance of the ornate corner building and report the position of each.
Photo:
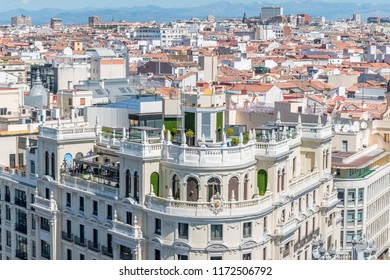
(144, 194)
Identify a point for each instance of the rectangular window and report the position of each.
(247, 230)
(183, 231)
(82, 257)
(82, 101)
(342, 239)
(109, 212)
(95, 208)
(216, 258)
(351, 217)
(340, 196)
(33, 248)
(45, 224)
(182, 257)
(82, 233)
(157, 254)
(68, 199)
(350, 235)
(247, 257)
(344, 146)
(360, 216)
(351, 197)
(32, 167)
(264, 253)
(12, 163)
(21, 159)
(206, 124)
(81, 204)
(360, 196)
(8, 238)
(7, 213)
(3, 111)
(216, 232)
(157, 226)
(307, 200)
(129, 218)
(47, 193)
(70, 102)
(69, 254)
(265, 224)
(45, 249)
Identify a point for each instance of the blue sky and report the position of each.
(74, 4)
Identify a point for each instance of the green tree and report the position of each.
(229, 131)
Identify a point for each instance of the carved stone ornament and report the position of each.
(216, 203)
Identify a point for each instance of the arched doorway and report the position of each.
(262, 181)
(192, 189)
(233, 187)
(155, 181)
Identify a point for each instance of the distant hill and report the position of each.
(223, 9)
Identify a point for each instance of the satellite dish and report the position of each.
(363, 125)
(346, 128)
(337, 128)
(356, 124)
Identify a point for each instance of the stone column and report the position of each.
(37, 239)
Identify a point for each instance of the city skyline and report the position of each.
(88, 4)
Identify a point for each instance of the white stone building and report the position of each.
(92, 195)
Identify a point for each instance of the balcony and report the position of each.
(216, 156)
(107, 188)
(67, 236)
(69, 131)
(80, 241)
(21, 202)
(125, 256)
(204, 209)
(21, 228)
(45, 255)
(107, 251)
(93, 246)
(21, 255)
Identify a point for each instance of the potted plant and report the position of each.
(190, 134)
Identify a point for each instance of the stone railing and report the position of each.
(317, 132)
(90, 186)
(204, 209)
(209, 156)
(303, 181)
(65, 133)
(126, 230)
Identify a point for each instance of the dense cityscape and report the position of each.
(258, 138)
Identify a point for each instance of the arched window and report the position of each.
(155, 181)
(192, 189)
(327, 158)
(233, 187)
(136, 186)
(128, 183)
(47, 163)
(53, 165)
(246, 187)
(214, 186)
(324, 159)
(176, 187)
(262, 181)
(283, 178)
(279, 180)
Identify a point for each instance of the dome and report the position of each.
(38, 89)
